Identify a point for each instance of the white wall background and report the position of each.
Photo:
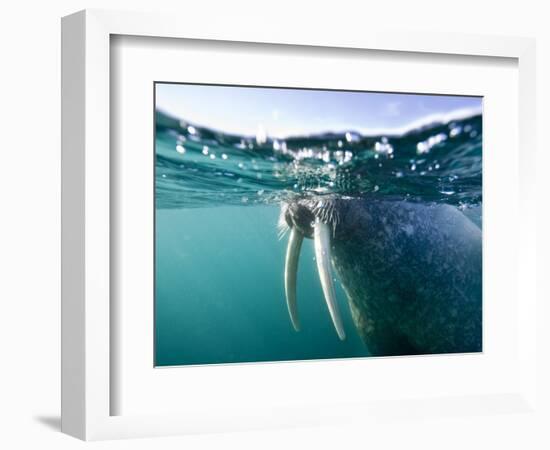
(30, 198)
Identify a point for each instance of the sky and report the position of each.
(289, 112)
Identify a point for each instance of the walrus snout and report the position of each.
(299, 216)
(302, 213)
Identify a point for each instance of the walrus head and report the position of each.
(317, 219)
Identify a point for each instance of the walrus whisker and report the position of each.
(282, 226)
(291, 272)
(321, 236)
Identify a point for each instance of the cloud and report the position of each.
(392, 109)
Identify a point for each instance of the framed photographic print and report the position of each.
(245, 248)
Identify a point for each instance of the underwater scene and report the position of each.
(301, 224)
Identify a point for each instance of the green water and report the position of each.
(220, 293)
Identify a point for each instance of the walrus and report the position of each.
(412, 272)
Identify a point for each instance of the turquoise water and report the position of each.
(219, 257)
(220, 295)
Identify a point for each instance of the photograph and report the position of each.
(300, 223)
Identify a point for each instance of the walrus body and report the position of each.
(412, 273)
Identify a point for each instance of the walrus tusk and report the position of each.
(291, 272)
(321, 236)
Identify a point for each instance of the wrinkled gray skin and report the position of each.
(412, 273)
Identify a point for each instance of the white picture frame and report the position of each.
(86, 222)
